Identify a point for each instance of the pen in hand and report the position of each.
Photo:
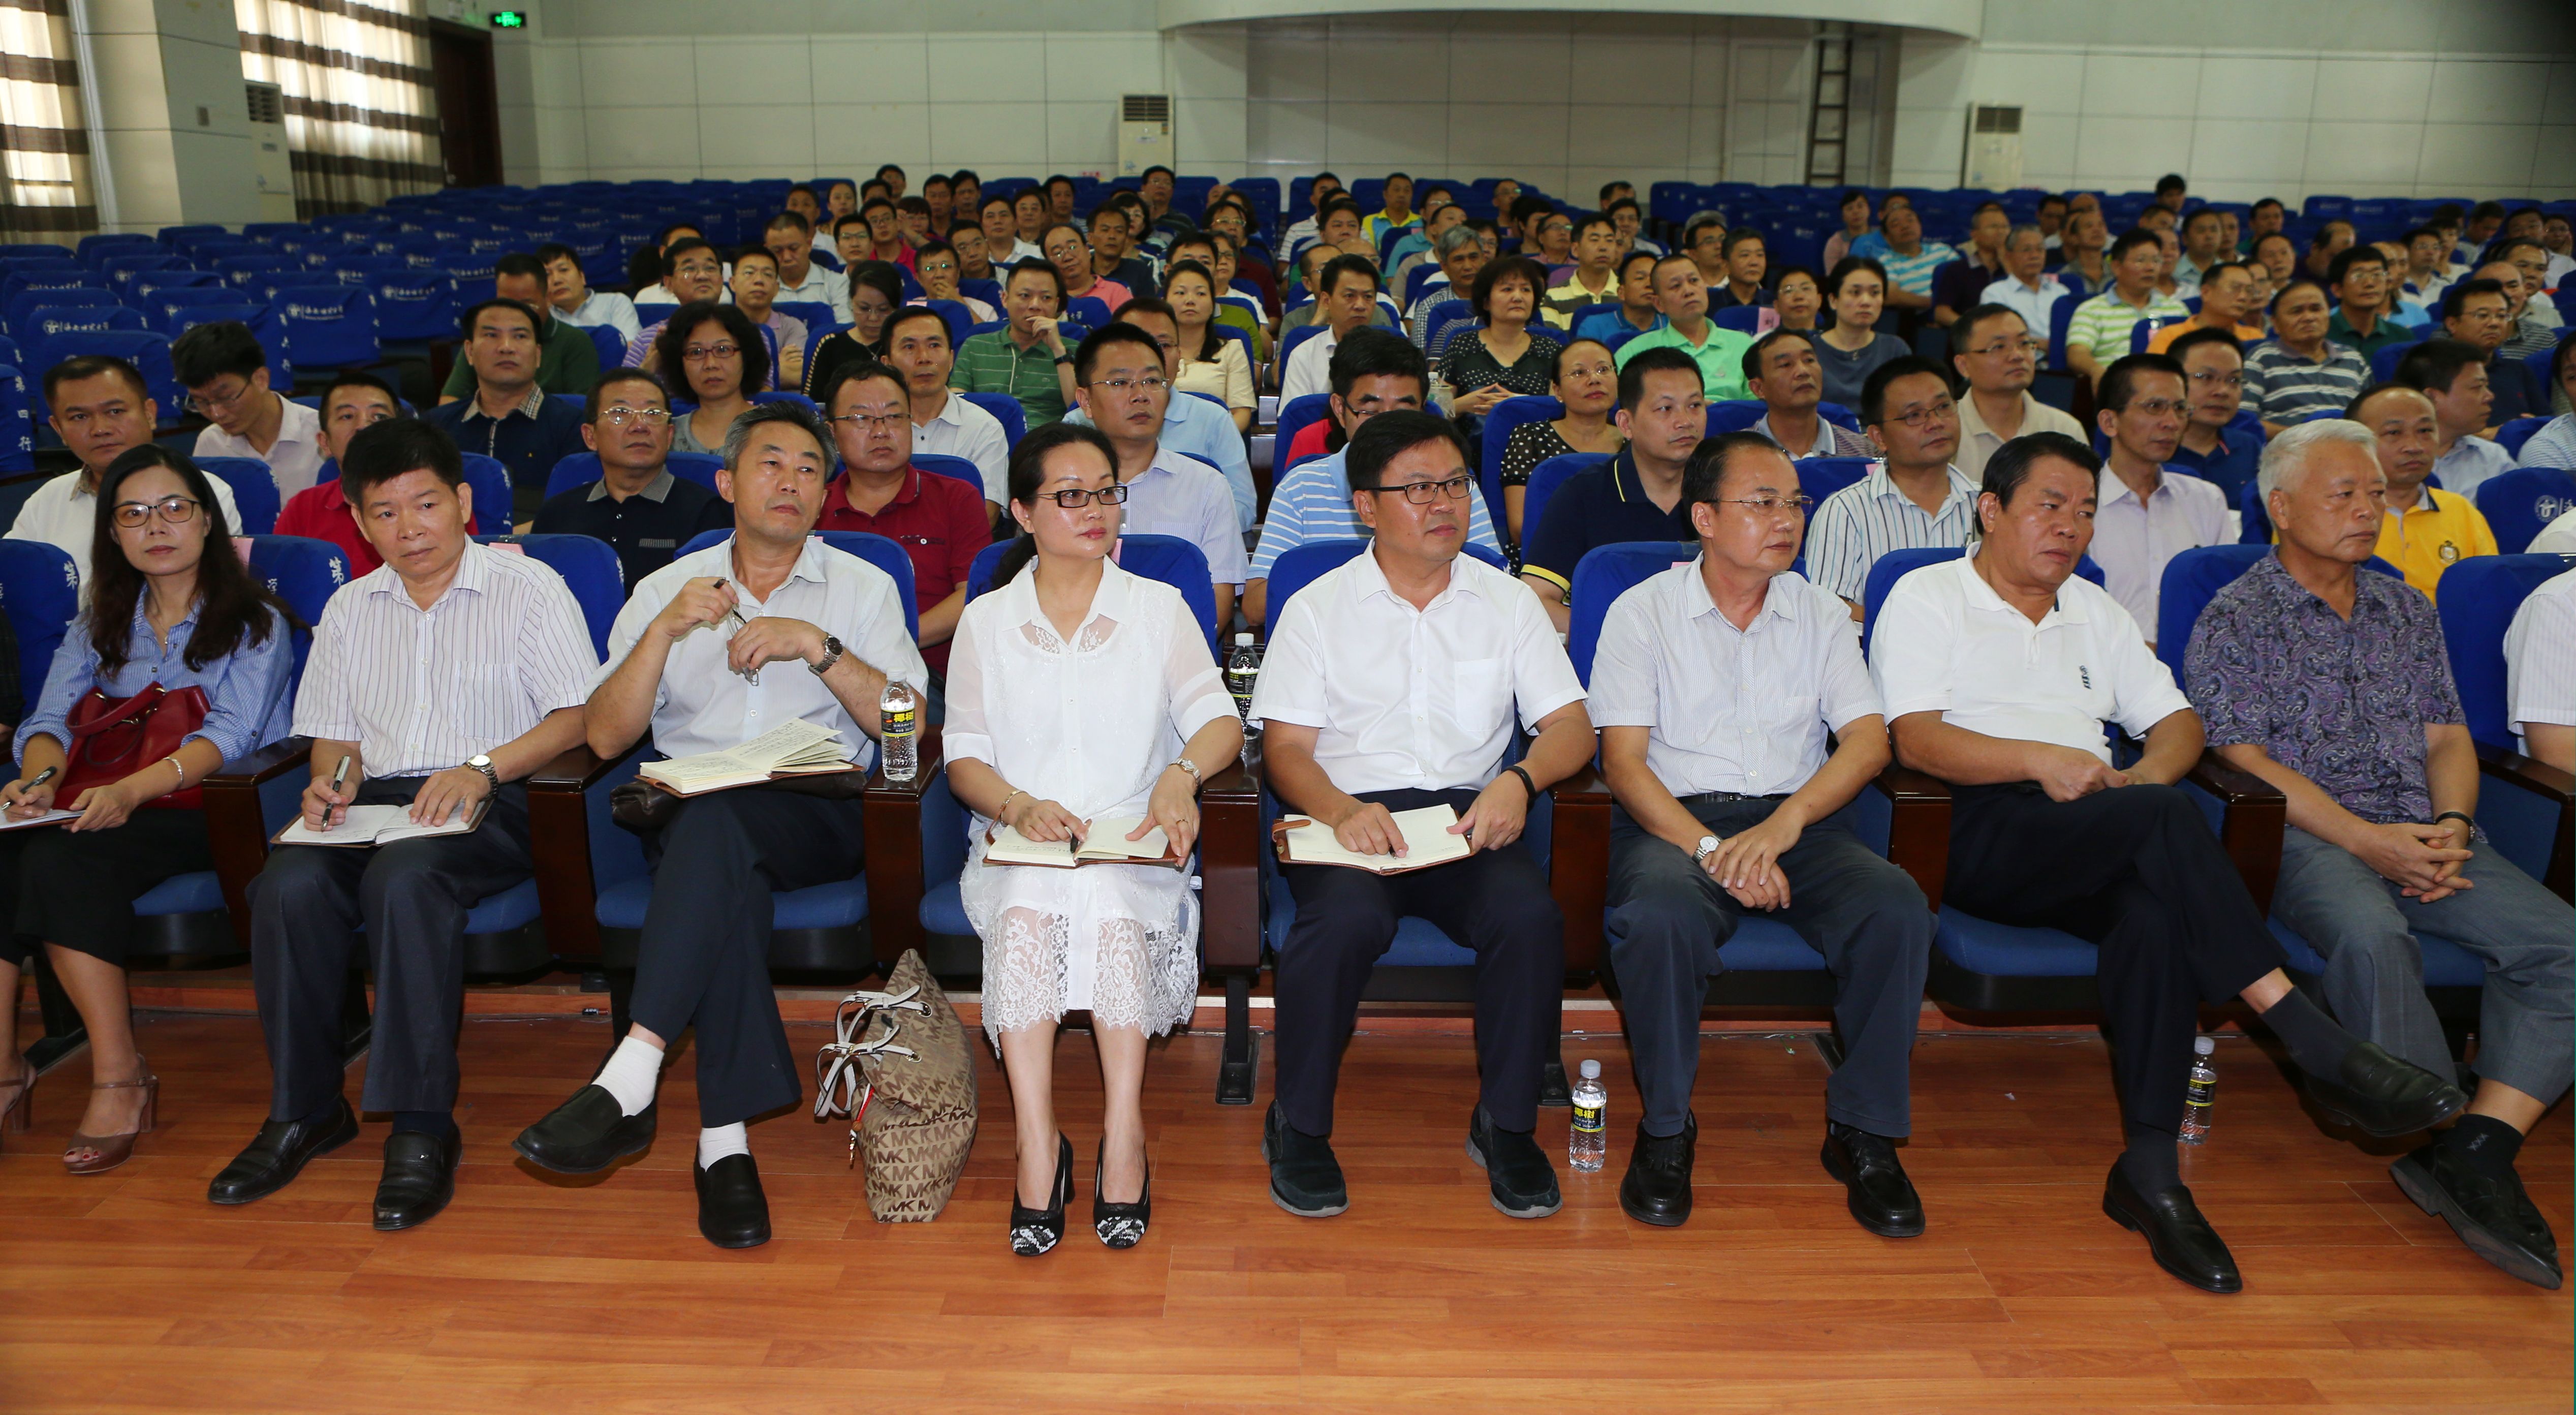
(339, 778)
(734, 613)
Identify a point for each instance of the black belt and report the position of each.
(1716, 798)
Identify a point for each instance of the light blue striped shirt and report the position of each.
(1913, 273)
(1313, 504)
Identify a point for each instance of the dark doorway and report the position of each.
(469, 108)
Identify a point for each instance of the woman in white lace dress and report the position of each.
(1078, 693)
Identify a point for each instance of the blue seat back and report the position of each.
(254, 491)
(2512, 435)
(1170, 559)
(26, 302)
(1006, 410)
(148, 352)
(40, 593)
(17, 422)
(590, 570)
(956, 316)
(582, 468)
(1504, 419)
(415, 304)
(1605, 573)
(1545, 478)
(867, 545)
(1896, 564)
(1734, 414)
(954, 468)
(48, 322)
(1089, 310)
(303, 572)
(1303, 565)
(491, 483)
(1295, 416)
(813, 314)
(2519, 502)
(2479, 598)
(1820, 477)
(608, 345)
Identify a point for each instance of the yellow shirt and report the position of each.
(2164, 338)
(2429, 539)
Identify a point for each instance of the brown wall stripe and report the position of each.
(366, 14)
(302, 53)
(15, 138)
(326, 164)
(47, 7)
(321, 112)
(62, 73)
(46, 220)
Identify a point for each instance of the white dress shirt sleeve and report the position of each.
(989, 448)
(2540, 657)
(1914, 647)
(1542, 676)
(651, 596)
(1836, 558)
(1220, 539)
(1291, 686)
(1192, 686)
(556, 663)
(879, 639)
(2142, 688)
(1848, 694)
(1307, 370)
(968, 733)
(324, 707)
(1624, 680)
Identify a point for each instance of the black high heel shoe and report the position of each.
(1119, 1225)
(1035, 1232)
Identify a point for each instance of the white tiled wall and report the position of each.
(2248, 124)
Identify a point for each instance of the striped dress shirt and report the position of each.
(2540, 658)
(420, 690)
(1869, 518)
(1313, 503)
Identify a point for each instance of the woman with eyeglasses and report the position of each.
(1080, 695)
(172, 607)
(714, 357)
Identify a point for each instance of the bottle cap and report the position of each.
(2204, 1045)
(1591, 1070)
(1243, 641)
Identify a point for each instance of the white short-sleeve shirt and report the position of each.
(1728, 709)
(2134, 540)
(294, 459)
(62, 514)
(2540, 657)
(1945, 642)
(1403, 697)
(960, 429)
(1185, 497)
(702, 705)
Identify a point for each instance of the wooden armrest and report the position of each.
(2551, 784)
(1578, 864)
(576, 771)
(2250, 825)
(1230, 846)
(1918, 828)
(559, 848)
(236, 827)
(890, 817)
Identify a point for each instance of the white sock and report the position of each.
(632, 1074)
(717, 1141)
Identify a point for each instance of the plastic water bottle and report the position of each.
(1588, 1140)
(1242, 671)
(2203, 1090)
(900, 730)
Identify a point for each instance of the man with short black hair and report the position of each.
(2453, 374)
(1192, 427)
(570, 298)
(225, 372)
(101, 409)
(800, 280)
(1346, 298)
(1704, 241)
(1026, 358)
(2268, 216)
(639, 506)
(1746, 260)
(1636, 310)
(2099, 331)
(1910, 259)
(2170, 191)
(1393, 684)
(1683, 302)
(2204, 245)
(940, 521)
(2212, 447)
(1123, 381)
(2147, 513)
(434, 685)
(1593, 280)
(567, 361)
(2424, 529)
(2484, 220)
(1960, 285)
(1915, 497)
(2361, 322)
(944, 423)
(1630, 219)
(1637, 494)
(353, 403)
(2477, 312)
(508, 417)
(1996, 351)
(1782, 370)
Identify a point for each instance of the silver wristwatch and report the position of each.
(482, 762)
(832, 651)
(1707, 846)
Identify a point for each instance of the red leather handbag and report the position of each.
(113, 738)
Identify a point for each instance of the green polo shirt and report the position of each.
(566, 367)
(991, 363)
(1721, 359)
(2382, 334)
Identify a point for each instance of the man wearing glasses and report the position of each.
(99, 407)
(1636, 495)
(1394, 684)
(2149, 513)
(1912, 499)
(353, 403)
(1999, 358)
(939, 521)
(638, 505)
(508, 417)
(225, 372)
(1714, 686)
(2212, 448)
(1119, 381)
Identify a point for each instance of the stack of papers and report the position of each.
(1427, 842)
(797, 748)
(1105, 842)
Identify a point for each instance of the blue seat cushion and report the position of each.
(2446, 964)
(943, 911)
(1417, 944)
(512, 908)
(1765, 945)
(2006, 951)
(192, 893)
(841, 904)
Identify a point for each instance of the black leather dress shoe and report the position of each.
(732, 1212)
(1657, 1186)
(1880, 1197)
(2496, 1219)
(587, 1134)
(1305, 1179)
(420, 1177)
(2386, 1095)
(2182, 1241)
(1521, 1180)
(279, 1153)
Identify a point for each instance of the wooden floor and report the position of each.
(129, 1292)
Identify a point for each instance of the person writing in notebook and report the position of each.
(1392, 686)
(766, 627)
(435, 683)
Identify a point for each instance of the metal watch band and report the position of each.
(832, 651)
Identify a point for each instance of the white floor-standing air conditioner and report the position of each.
(1994, 148)
(272, 170)
(1144, 133)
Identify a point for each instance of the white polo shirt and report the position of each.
(2134, 540)
(1728, 709)
(294, 460)
(1310, 368)
(2540, 658)
(702, 705)
(960, 429)
(1947, 643)
(608, 308)
(822, 287)
(1182, 496)
(1401, 697)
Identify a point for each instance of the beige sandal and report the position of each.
(20, 1112)
(106, 1152)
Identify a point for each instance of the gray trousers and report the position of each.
(1667, 919)
(2374, 977)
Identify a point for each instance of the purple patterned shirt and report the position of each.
(2341, 702)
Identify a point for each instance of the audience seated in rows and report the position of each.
(98, 405)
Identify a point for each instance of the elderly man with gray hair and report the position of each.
(2332, 685)
(1461, 253)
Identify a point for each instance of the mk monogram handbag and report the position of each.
(900, 1068)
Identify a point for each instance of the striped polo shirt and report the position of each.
(2282, 386)
(1913, 273)
(992, 363)
(1313, 503)
(2102, 323)
(1869, 518)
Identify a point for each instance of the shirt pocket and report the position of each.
(487, 702)
(1481, 693)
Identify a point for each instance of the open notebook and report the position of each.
(797, 748)
(366, 826)
(1106, 843)
(52, 817)
(1427, 842)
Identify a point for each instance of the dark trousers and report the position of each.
(1494, 901)
(1668, 918)
(308, 910)
(703, 960)
(2137, 872)
(77, 889)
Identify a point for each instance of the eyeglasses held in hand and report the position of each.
(1423, 493)
(621, 415)
(1075, 498)
(173, 510)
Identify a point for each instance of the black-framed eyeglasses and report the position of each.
(173, 511)
(1794, 505)
(1075, 498)
(1423, 493)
